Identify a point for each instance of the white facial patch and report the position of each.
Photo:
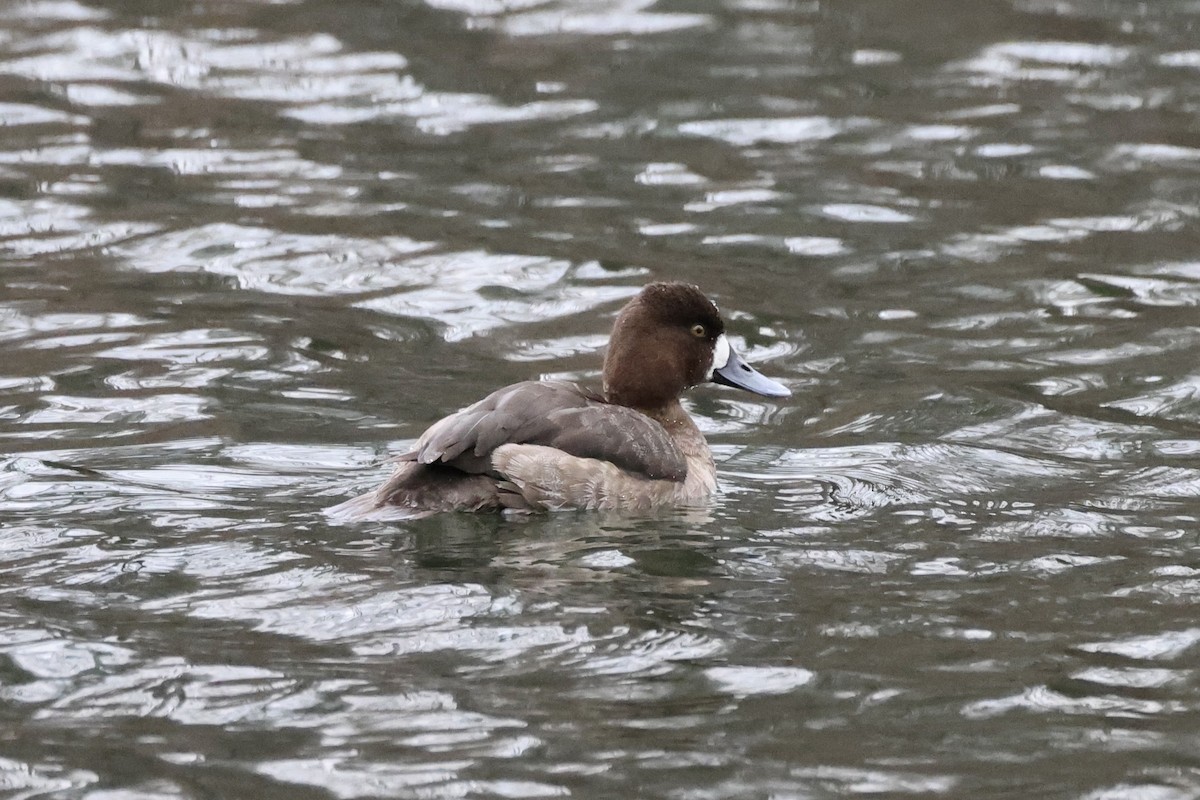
(720, 354)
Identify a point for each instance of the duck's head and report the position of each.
(667, 339)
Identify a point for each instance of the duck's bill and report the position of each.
(740, 375)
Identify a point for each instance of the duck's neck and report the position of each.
(680, 425)
(670, 415)
(701, 478)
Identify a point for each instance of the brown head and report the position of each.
(667, 339)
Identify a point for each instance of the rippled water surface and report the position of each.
(247, 249)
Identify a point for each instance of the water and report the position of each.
(248, 249)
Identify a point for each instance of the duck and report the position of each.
(550, 445)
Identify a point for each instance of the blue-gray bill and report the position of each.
(740, 375)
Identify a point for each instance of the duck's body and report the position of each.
(550, 445)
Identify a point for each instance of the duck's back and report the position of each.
(537, 444)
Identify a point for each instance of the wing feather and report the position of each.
(555, 414)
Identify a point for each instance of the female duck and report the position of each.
(542, 445)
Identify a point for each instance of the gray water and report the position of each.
(248, 249)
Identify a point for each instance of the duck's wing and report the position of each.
(555, 414)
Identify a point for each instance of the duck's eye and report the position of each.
(698, 331)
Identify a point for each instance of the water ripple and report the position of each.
(1164, 646)
(607, 18)
(451, 281)
(1065, 62)
(237, 237)
(294, 264)
(28, 780)
(743, 132)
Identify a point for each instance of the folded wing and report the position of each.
(555, 414)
